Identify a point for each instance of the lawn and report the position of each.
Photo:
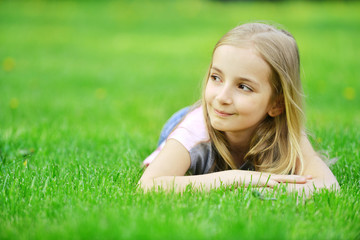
(86, 86)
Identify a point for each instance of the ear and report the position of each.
(277, 107)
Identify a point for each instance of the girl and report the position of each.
(248, 128)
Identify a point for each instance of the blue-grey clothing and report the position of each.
(170, 124)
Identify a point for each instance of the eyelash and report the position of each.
(241, 86)
(214, 77)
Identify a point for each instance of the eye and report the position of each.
(245, 88)
(215, 78)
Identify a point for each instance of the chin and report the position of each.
(220, 126)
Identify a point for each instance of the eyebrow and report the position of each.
(239, 78)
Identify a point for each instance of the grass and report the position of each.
(86, 86)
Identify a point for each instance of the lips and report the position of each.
(222, 113)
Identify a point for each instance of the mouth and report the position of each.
(222, 113)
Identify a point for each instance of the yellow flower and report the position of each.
(8, 64)
(14, 103)
(25, 163)
(100, 93)
(349, 93)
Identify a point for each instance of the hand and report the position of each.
(260, 179)
(311, 186)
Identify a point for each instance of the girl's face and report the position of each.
(238, 91)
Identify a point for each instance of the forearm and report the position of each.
(202, 182)
(322, 177)
(205, 182)
(215, 180)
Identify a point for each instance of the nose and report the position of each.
(224, 95)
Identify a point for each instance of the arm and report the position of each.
(169, 167)
(322, 177)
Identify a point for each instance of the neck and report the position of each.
(239, 145)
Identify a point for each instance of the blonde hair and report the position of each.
(275, 144)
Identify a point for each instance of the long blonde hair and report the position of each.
(275, 144)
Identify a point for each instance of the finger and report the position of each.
(263, 182)
(272, 183)
(267, 182)
(289, 178)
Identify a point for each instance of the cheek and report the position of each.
(208, 92)
(250, 105)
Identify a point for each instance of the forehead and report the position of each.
(241, 62)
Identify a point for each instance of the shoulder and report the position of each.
(191, 130)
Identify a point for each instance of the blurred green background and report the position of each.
(132, 63)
